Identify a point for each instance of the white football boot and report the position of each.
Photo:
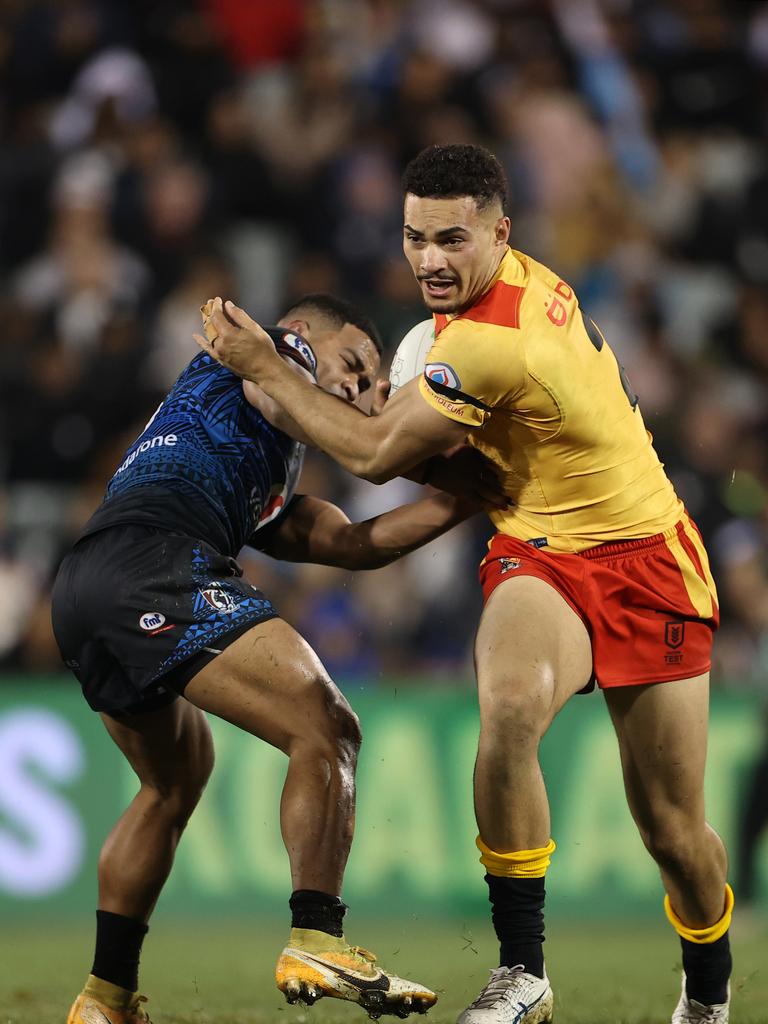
(511, 997)
(690, 1012)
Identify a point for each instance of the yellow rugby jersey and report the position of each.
(554, 413)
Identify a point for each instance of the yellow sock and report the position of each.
(706, 935)
(314, 941)
(519, 863)
(114, 996)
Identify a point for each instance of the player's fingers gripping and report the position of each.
(466, 472)
(239, 317)
(218, 324)
(380, 396)
(206, 311)
(228, 320)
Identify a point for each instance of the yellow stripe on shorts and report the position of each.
(700, 591)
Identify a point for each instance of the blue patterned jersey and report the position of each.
(208, 464)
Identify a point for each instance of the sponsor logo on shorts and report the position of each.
(442, 373)
(151, 621)
(219, 600)
(508, 564)
(674, 634)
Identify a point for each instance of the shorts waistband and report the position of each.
(625, 547)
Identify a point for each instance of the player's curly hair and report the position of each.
(445, 172)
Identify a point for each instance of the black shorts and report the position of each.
(138, 611)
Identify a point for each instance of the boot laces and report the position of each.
(364, 954)
(498, 986)
(138, 1011)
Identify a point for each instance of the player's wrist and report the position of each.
(269, 369)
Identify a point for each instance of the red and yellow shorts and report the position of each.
(650, 605)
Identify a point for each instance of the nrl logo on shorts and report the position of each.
(674, 634)
(219, 600)
(508, 564)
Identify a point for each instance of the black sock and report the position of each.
(317, 910)
(518, 917)
(118, 948)
(707, 967)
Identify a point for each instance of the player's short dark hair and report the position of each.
(336, 312)
(446, 172)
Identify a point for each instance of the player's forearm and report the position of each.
(387, 537)
(347, 435)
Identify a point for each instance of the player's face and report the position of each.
(347, 362)
(453, 248)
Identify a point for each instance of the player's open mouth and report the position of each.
(437, 287)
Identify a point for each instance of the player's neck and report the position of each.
(488, 282)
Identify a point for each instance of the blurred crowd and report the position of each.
(154, 153)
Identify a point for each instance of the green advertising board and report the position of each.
(63, 784)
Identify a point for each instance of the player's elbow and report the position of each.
(371, 454)
(372, 468)
(378, 476)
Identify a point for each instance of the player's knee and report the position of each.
(517, 713)
(671, 841)
(333, 729)
(176, 796)
(345, 728)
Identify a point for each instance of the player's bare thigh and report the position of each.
(662, 733)
(531, 649)
(170, 749)
(271, 683)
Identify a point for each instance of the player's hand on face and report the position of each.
(464, 472)
(380, 395)
(235, 340)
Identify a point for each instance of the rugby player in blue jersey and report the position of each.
(153, 616)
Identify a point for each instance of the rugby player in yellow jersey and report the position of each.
(596, 573)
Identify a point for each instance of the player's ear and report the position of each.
(502, 229)
(297, 326)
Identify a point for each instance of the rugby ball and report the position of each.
(411, 355)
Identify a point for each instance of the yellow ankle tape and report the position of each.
(703, 936)
(113, 996)
(312, 941)
(518, 864)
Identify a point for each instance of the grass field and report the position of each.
(206, 973)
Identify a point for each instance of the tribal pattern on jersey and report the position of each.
(206, 445)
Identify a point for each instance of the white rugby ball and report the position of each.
(408, 362)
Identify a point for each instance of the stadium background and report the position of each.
(155, 153)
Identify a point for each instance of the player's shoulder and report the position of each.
(548, 300)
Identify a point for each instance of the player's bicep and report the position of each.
(410, 430)
(312, 530)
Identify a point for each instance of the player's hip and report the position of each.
(574, 530)
(133, 603)
(649, 605)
